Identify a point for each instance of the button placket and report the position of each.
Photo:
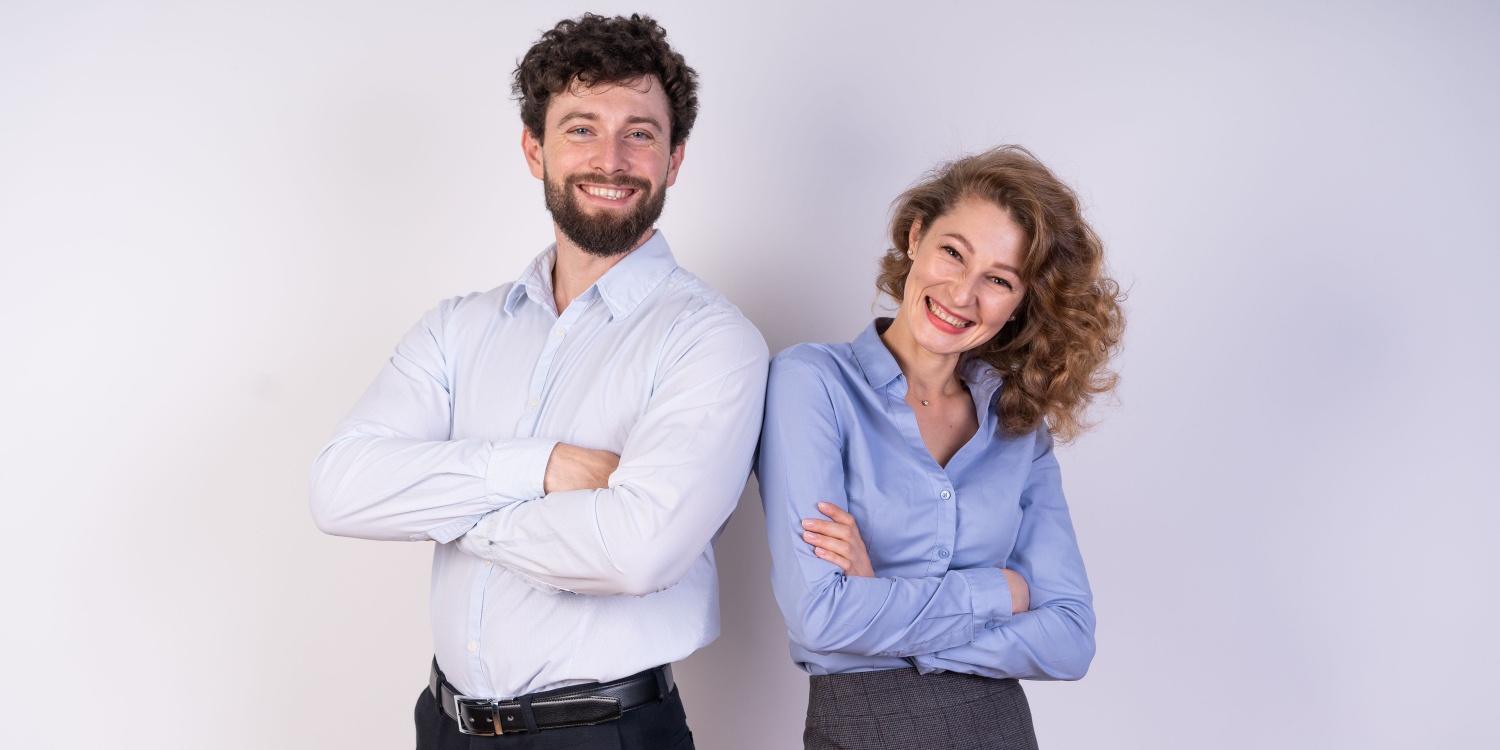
(947, 531)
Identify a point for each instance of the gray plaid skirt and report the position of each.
(898, 709)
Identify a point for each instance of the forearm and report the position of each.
(1053, 642)
(391, 488)
(896, 616)
(603, 542)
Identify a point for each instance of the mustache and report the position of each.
(625, 181)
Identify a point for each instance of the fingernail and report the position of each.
(807, 524)
(821, 506)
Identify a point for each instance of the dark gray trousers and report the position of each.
(898, 709)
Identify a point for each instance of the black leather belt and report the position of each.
(573, 706)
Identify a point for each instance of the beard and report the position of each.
(604, 234)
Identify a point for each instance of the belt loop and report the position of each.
(661, 682)
(527, 715)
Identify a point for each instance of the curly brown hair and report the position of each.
(591, 50)
(1054, 356)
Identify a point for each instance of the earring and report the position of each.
(1012, 317)
(911, 253)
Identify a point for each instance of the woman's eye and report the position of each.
(1002, 282)
(950, 251)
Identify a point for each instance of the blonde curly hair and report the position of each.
(1054, 356)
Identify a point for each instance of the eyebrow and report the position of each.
(643, 120)
(594, 117)
(571, 116)
(970, 247)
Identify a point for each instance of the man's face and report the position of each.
(606, 160)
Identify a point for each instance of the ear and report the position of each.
(675, 163)
(914, 236)
(532, 149)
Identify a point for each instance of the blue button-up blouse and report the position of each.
(838, 429)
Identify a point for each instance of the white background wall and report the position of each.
(217, 218)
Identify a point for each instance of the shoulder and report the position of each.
(828, 368)
(702, 313)
(457, 319)
(482, 304)
(818, 357)
(701, 301)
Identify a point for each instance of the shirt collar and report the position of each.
(623, 287)
(880, 367)
(876, 361)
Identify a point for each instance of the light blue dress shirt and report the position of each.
(533, 591)
(838, 429)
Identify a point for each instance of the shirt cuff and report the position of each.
(989, 593)
(517, 470)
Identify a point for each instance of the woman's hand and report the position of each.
(838, 541)
(1020, 591)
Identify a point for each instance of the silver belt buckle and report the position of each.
(483, 725)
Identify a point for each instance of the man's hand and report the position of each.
(838, 541)
(574, 468)
(1020, 591)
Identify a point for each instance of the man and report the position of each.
(572, 441)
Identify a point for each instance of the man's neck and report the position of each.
(575, 270)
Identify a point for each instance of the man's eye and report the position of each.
(579, 131)
(641, 135)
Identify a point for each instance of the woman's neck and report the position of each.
(928, 375)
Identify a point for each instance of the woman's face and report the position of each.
(965, 279)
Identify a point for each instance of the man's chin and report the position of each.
(606, 242)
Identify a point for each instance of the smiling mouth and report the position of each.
(942, 313)
(607, 193)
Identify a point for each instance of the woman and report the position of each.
(922, 553)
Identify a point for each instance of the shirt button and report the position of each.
(561, 332)
(486, 563)
(943, 553)
(531, 403)
(945, 494)
(473, 646)
(990, 625)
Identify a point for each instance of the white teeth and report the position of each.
(613, 194)
(946, 318)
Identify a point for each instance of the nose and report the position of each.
(965, 288)
(609, 157)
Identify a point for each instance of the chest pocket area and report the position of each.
(598, 392)
(890, 516)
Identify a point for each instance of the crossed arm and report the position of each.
(583, 520)
(837, 540)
